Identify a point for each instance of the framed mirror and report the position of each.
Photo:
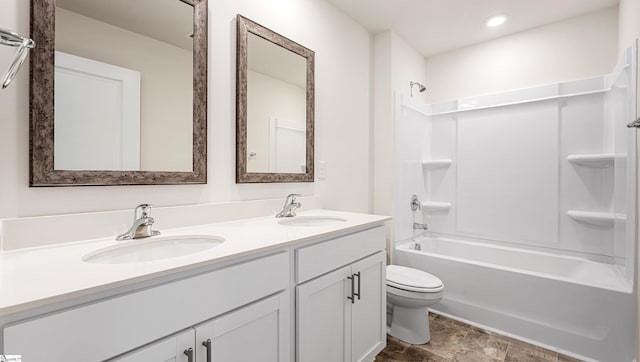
(274, 106)
(118, 92)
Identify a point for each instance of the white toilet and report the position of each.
(409, 293)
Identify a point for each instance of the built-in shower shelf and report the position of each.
(436, 206)
(431, 164)
(594, 160)
(596, 218)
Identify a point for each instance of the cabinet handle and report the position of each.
(207, 345)
(189, 353)
(353, 300)
(358, 293)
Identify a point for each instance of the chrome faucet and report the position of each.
(142, 222)
(290, 206)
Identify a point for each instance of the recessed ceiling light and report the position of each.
(496, 20)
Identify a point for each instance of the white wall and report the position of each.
(629, 31)
(395, 65)
(575, 48)
(407, 65)
(382, 124)
(342, 113)
(270, 97)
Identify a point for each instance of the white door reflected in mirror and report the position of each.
(123, 85)
(97, 115)
(276, 108)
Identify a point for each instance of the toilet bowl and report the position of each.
(409, 294)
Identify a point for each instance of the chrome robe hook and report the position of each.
(23, 44)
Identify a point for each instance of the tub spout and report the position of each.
(419, 226)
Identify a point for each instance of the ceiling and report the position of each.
(165, 20)
(438, 26)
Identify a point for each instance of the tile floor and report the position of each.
(456, 341)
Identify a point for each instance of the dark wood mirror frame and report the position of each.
(41, 104)
(244, 27)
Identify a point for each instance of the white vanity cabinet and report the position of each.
(249, 296)
(257, 332)
(252, 333)
(340, 313)
(172, 349)
(329, 287)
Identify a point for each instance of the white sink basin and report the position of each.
(145, 250)
(311, 221)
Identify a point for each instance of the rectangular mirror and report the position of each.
(275, 105)
(118, 92)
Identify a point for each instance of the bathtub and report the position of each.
(569, 304)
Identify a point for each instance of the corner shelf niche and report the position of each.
(436, 206)
(601, 160)
(596, 218)
(433, 164)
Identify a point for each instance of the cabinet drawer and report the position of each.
(107, 328)
(317, 259)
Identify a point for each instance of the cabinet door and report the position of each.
(323, 333)
(368, 325)
(171, 349)
(257, 332)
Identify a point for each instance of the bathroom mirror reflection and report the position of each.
(128, 104)
(274, 107)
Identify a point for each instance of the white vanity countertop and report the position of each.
(31, 278)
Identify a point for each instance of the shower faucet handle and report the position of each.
(415, 203)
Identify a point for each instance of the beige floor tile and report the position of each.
(482, 344)
(445, 337)
(563, 358)
(393, 350)
(468, 355)
(531, 349)
(415, 354)
(456, 341)
(531, 354)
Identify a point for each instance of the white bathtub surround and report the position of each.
(532, 222)
(548, 168)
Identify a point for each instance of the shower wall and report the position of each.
(545, 168)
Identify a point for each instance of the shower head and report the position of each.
(421, 88)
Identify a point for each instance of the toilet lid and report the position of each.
(411, 279)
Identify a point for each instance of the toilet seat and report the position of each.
(413, 280)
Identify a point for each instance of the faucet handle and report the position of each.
(292, 197)
(142, 211)
(415, 203)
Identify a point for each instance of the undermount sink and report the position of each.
(311, 221)
(145, 250)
